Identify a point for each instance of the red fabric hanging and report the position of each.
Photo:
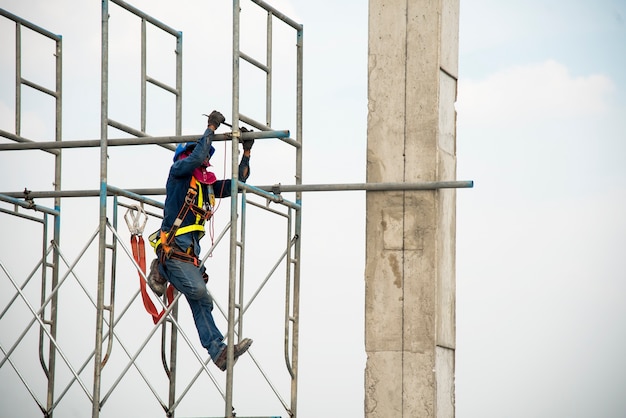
(139, 253)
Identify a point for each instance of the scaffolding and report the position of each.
(110, 243)
(57, 269)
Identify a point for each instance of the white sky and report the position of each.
(540, 238)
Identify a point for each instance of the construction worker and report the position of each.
(190, 197)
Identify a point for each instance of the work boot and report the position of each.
(157, 283)
(240, 348)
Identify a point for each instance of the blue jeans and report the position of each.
(187, 279)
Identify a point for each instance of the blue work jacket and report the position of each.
(178, 182)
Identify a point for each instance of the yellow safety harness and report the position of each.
(164, 241)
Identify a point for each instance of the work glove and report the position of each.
(215, 119)
(247, 143)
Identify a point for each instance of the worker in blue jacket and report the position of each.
(190, 199)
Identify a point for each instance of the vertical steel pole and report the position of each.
(48, 367)
(57, 222)
(296, 282)
(58, 160)
(104, 94)
(113, 276)
(268, 76)
(174, 312)
(143, 75)
(242, 258)
(233, 214)
(171, 372)
(179, 83)
(18, 78)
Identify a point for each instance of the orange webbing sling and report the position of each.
(139, 254)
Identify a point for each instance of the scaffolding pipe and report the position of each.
(138, 194)
(28, 205)
(144, 76)
(173, 367)
(104, 116)
(278, 14)
(56, 232)
(21, 215)
(21, 139)
(94, 143)
(18, 79)
(298, 225)
(242, 256)
(135, 196)
(29, 25)
(254, 62)
(370, 187)
(234, 197)
(276, 198)
(268, 77)
(38, 87)
(145, 16)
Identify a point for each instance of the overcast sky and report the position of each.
(541, 282)
(541, 239)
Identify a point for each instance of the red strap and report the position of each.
(139, 253)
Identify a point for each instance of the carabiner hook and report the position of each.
(133, 218)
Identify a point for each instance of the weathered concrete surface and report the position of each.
(410, 264)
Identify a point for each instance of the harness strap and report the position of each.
(165, 240)
(139, 254)
(184, 256)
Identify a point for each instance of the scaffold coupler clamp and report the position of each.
(136, 219)
(28, 199)
(276, 192)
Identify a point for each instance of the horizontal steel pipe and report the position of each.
(254, 62)
(92, 143)
(264, 127)
(28, 205)
(23, 140)
(162, 85)
(278, 14)
(275, 189)
(29, 25)
(268, 195)
(125, 128)
(39, 88)
(83, 193)
(147, 17)
(382, 187)
(21, 215)
(134, 196)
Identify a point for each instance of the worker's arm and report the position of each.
(221, 188)
(200, 153)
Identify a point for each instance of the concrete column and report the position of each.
(410, 237)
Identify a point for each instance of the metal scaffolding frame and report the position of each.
(48, 326)
(109, 242)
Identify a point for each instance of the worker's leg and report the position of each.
(187, 278)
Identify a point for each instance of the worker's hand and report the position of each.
(215, 119)
(247, 143)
